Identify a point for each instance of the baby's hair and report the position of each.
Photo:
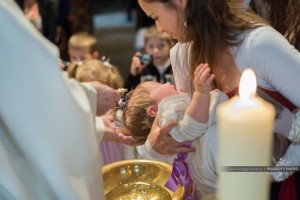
(135, 117)
(96, 70)
(83, 40)
(152, 32)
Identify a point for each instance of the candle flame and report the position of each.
(247, 84)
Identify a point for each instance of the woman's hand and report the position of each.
(107, 98)
(163, 143)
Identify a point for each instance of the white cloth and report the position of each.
(48, 146)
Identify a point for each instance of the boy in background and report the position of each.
(82, 46)
(157, 47)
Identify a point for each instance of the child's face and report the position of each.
(159, 49)
(78, 55)
(159, 91)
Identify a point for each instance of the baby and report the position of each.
(194, 116)
(152, 98)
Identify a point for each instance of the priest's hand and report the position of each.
(107, 97)
(114, 134)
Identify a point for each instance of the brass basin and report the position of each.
(138, 180)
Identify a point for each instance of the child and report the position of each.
(150, 99)
(96, 70)
(103, 72)
(82, 46)
(157, 45)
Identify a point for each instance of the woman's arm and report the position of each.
(276, 63)
(162, 143)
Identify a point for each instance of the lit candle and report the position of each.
(245, 127)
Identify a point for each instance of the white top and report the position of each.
(173, 108)
(275, 62)
(48, 144)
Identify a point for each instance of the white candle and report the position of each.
(245, 127)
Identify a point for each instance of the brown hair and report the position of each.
(96, 70)
(213, 26)
(152, 32)
(221, 23)
(83, 40)
(285, 18)
(293, 23)
(135, 117)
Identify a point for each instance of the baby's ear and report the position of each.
(152, 110)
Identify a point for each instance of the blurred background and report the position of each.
(114, 23)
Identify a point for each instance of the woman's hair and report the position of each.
(152, 32)
(96, 70)
(135, 117)
(219, 25)
(212, 26)
(293, 23)
(284, 16)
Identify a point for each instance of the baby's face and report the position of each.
(158, 91)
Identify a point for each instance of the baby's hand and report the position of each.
(203, 78)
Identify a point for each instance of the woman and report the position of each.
(230, 39)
